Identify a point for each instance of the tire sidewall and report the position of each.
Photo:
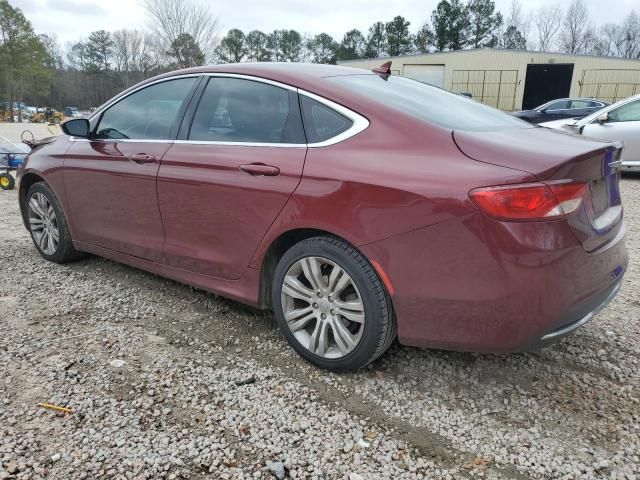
(373, 309)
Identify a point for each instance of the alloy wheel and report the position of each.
(43, 223)
(323, 307)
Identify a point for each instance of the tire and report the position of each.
(7, 182)
(302, 315)
(61, 251)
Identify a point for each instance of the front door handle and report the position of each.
(142, 158)
(260, 170)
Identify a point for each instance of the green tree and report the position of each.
(424, 39)
(186, 51)
(323, 48)
(451, 24)
(353, 45)
(290, 45)
(514, 39)
(399, 40)
(99, 48)
(257, 46)
(233, 47)
(23, 58)
(285, 45)
(376, 41)
(484, 23)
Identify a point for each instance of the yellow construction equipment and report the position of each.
(47, 115)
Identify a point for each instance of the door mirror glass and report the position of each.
(604, 118)
(78, 127)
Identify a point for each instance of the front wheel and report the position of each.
(47, 225)
(331, 306)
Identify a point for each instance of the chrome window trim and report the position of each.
(106, 106)
(360, 123)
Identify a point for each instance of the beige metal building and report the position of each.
(515, 79)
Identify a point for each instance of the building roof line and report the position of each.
(505, 50)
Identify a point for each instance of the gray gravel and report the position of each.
(166, 381)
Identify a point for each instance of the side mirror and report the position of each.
(604, 118)
(77, 127)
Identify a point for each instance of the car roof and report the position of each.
(303, 75)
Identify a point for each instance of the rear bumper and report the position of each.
(573, 323)
(476, 284)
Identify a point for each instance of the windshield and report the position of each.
(430, 104)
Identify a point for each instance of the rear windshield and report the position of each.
(430, 104)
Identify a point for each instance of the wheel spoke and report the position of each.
(51, 241)
(343, 337)
(44, 241)
(35, 208)
(36, 223)
(342, 283)
(311, 269)
(353, 311)
(297, 313)
(55, 235)
(294, 288)
(319, 339)
(302, 322)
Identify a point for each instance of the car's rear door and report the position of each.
(238, 159)
(623, 125)
(110, 180)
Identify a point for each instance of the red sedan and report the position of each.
(360, 206)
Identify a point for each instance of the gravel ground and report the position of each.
(166, 381)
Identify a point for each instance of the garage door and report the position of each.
(431, 74)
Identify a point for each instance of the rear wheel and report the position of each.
(48, 226)
(7, 181)
(331, 305)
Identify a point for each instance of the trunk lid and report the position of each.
(551, 155)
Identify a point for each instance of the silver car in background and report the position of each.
(617, 122)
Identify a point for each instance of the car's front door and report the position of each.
(623, 124)
(223, 183)
(110, 180)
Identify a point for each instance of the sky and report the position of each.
(73, 20)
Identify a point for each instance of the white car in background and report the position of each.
(617, 122)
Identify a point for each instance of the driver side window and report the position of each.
(626, 113)
(148, 114)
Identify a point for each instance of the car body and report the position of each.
(560, 109)
(618, 122)
(183, 176)
(71, 112)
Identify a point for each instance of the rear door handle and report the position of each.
(260, 170)
(142, 158)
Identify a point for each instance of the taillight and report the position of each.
(530, 201)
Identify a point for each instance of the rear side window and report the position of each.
(559, 105)
(322, 122)
(429, 104)
(148, 114)
(576, 104)
(247, 111)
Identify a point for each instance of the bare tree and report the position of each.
(170, 20)
(629, 36)
(547, 21)
(576, 30)
(518, 19)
